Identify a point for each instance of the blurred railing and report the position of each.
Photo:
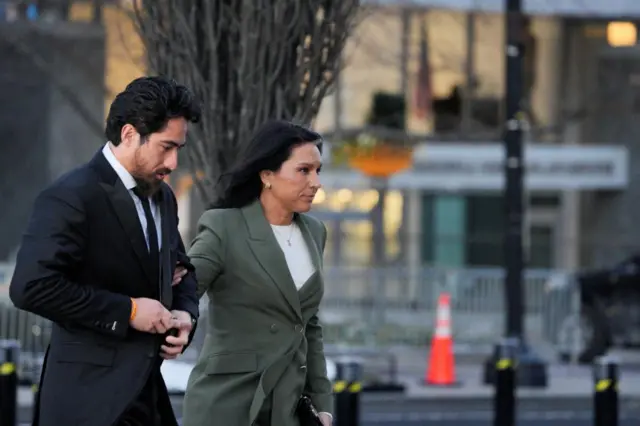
(397, 306)
(32, 331)
(6, 271)
(386, 307)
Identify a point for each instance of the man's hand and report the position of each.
(178, 274)
(175, 344)
(326, 419)
(151, 316)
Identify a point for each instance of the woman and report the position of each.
(259, 258)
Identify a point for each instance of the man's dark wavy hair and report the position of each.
(269, 147)
(148, 103)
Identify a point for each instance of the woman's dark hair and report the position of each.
(148, 103)
(270, 146)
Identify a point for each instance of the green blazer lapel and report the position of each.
(311, 292)
(267, 252)
(313, 242)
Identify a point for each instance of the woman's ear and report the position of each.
(265, 177)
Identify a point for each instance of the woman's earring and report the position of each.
(268, 185)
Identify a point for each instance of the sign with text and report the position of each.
(581, 8)
(480, 166)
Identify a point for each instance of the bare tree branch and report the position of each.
(247, 61)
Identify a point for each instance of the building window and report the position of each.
(485, 224)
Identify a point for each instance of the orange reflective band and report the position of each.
(134, 309)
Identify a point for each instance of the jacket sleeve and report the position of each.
(208, 250)
(184, 294)
(52, 250)
(318, 385)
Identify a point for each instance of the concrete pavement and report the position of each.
(521, 422)
(374, 414)
(565, 401)
(565, 382)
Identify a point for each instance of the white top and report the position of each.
(130, 183)
(296, 252)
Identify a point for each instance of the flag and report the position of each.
(423, 95)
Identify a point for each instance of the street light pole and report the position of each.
(531, 370)
(514, 170)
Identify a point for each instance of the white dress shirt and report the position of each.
(130, 183)
(295, 251)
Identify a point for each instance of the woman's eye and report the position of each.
(305, 170)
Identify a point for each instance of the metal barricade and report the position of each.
(388, 307)
(397, 306)
(6, 272)
(33, 333)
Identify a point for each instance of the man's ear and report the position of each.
(129, 135)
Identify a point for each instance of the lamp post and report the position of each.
(531, 369)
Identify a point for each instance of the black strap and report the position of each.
(152, 235)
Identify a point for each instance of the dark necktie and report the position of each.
(149, 396)
(152, 235)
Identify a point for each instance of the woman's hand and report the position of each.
(178, 274)
(326, 419)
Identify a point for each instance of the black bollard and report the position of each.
(9, 356)
(605, 395)
(347, 389)
(504, 403)
(35, 390)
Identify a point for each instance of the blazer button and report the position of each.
(273, 328)
(299, 328)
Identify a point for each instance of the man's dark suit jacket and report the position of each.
(83, 256)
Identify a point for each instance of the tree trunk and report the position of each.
(247, 61)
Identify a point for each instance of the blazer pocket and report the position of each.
(84, 354)
(231, 363)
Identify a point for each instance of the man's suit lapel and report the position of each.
(265, 248)
(124, 209)
(166, 276)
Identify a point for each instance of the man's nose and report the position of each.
(171, 162)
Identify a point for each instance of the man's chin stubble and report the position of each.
(147, 187)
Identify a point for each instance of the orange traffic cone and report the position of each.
(441, 366)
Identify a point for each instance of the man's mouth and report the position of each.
(162, 174)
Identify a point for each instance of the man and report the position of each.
(99, 259)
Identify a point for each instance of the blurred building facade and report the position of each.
(447, 209)
(60, 65)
